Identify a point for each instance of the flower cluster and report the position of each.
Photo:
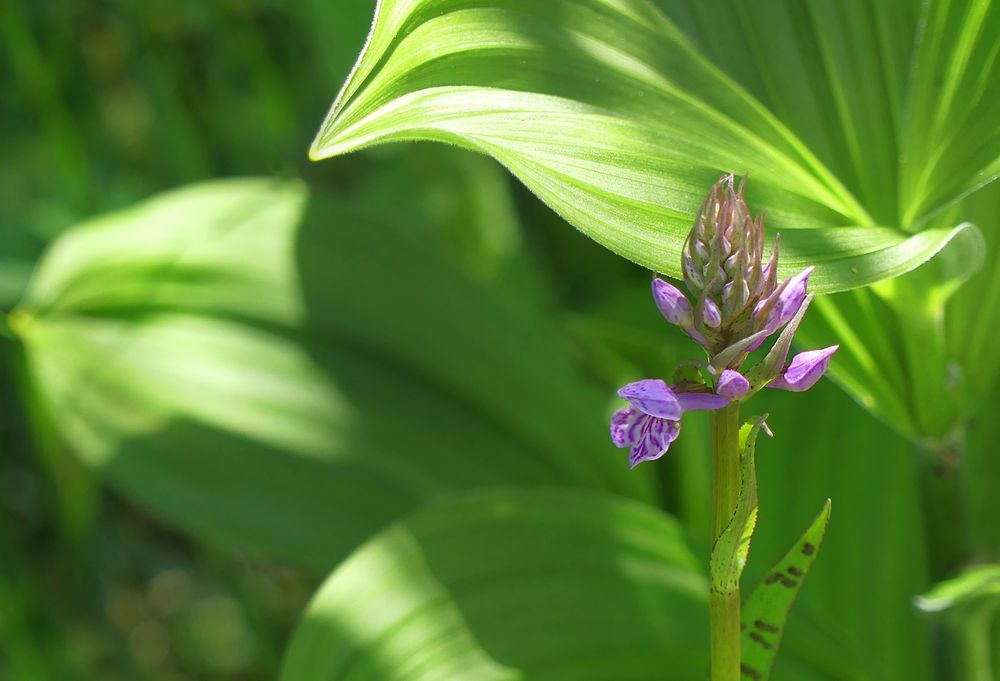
(737, 305)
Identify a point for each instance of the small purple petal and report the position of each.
(673, 305)
(732, 385)
(696, 336)
(710, 313)
(654, 440)
(805, 369)
(625, 426)
(701, 401)
(654, 397)
(790, 299)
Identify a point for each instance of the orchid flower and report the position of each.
(653, 420)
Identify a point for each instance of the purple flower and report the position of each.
(805, 369)
(653, 419)
(789, 299)
(675, 308)
(732, 385)
(673, 305)
(711, 315)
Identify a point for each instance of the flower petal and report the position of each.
(805, 369)
(673, 305)
(732, 385)
(790, 299)
(701, 401)
(625, 426)
(654, 397)
(710, 313)
(655, 439)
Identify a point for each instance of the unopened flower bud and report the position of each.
(673, 305)
(732, 385)
(710, 314)
(805, 369)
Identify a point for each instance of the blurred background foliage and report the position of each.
(262, 394)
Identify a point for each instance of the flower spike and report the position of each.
(735, 303)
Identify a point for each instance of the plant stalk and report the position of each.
(724, 607)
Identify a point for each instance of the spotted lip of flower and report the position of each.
(651, 422)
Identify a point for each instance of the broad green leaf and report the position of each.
(835, 73)
(231, 356)
(765, 614)
(608, 113)
(729, 553)
(899, 99)
(951, 140)
(902, 354)
(512, 585)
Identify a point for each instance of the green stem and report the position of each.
(974, 636)
(724, 607)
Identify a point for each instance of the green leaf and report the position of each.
(973, 312)
(834, 73)
(615, 120)
(950, 139)
(967, 606)
(231, 356)
(729, 553)
(766, 611)
(831, 448)
(899, 99)
(826, 446)
(976, 583)
(506, 585)
(921, 379)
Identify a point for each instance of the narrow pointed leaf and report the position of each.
(511, 585)
(766, 611)
(615, 120)
(729, 554)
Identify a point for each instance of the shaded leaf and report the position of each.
(232, 357)
(506, 585)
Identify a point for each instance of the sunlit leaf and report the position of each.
(951, 140)
(608, 113)
(512, 585)
(899, 99)
(232, 356)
